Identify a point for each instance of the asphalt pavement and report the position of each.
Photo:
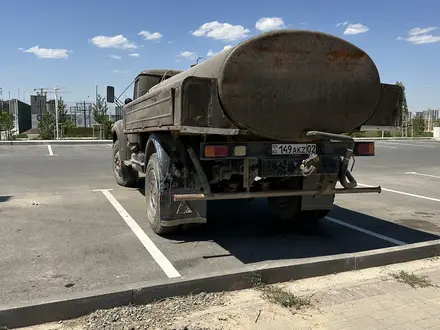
(66, 226)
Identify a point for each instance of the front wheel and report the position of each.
(125, 176)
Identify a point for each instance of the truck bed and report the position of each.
(189, 105)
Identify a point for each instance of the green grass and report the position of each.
(412, 280)
(279, 296)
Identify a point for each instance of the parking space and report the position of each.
(66, 226)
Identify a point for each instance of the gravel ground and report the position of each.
(160, 315)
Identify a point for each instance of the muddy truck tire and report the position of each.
(124, 175)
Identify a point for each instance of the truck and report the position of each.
(271, 117)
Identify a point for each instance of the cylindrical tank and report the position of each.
(282, 83)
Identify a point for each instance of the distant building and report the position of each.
(38, 106)
(50, 106)
(430, 116)
(21, 114)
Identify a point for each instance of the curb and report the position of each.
(55, 142)
(80, 304)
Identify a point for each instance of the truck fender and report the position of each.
(119, 135)
(171, 211)
(156, 144)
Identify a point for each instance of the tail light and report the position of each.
(364, 149)
(216, 151)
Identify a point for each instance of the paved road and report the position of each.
(58, 235)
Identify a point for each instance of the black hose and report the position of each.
(343, 176)
(344, 173)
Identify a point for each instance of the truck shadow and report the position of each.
(248, 232)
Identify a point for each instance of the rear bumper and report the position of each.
(281, 193)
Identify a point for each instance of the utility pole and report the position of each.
(55, 90)
(85, 117)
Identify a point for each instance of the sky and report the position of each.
(79, 44)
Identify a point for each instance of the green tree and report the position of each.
(100, 109)
(6, 125)
(47, 124)
(418, 125)
(62, 111)
(404, 103)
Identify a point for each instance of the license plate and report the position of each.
(293, 149)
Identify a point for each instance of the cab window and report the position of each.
(136, 89)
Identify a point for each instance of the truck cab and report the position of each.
(147, 79)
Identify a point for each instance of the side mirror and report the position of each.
(110, 94)
(127, 100)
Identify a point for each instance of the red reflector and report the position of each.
(365, 149)
(216, 151)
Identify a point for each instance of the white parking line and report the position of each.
(422, 174)
(50, 150)
(365, 231)
(404, 193)
(409, 144)
(157, 255)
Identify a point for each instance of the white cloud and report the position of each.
(423, 39)
(170, 42)
(211, 53)
(419, 36)
(356, 28)
(416, 31)
(115, 57)
(48, 52)
(150, 36)
(342, 23)
(221, 31)
(120, 71)
(189, 55)
(118, 41)
(265, 24)
(135, 55)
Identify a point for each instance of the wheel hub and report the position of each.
(152, 196)
(117, 162)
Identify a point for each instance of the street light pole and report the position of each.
(55, 89)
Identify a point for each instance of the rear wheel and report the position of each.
(313, 215)
(124, 175)
(285, 208)
(288, 210)
(153, 196)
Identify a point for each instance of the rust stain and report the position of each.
(345, 55)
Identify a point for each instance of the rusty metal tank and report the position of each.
(282, 83)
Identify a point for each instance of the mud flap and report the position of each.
(180, 213)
